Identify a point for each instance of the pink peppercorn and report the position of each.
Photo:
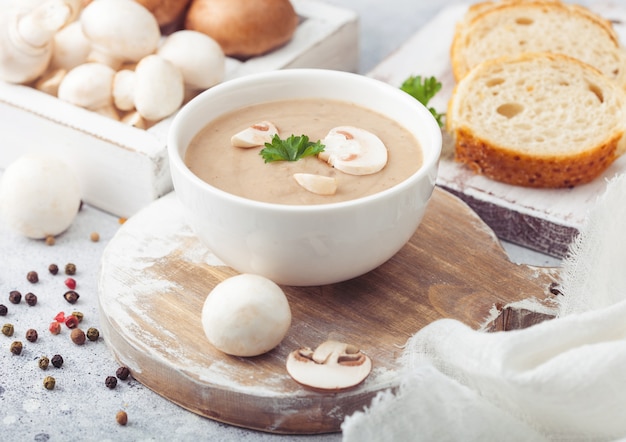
(70, 283)
(71, 321)
(55, 328)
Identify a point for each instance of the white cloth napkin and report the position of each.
(560, 380)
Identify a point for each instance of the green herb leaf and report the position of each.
(423, 90)
(291, 149)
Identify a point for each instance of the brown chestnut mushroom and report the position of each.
(244, 28)
(166, 12)
(331, 366)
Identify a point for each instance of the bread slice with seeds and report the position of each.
(537, 120)
(511, 27)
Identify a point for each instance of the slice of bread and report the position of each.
(537, 120)
(511, 27)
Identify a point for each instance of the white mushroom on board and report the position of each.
(256, 135)
(90, 86)
(354, 150)
(70, 47)
(39, 196)
(246, 315)
(155, 88)
(119, 31)
(199, 58)
(331, 366)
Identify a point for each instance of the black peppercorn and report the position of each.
(3, 310)
(31, 335)
(53, 268)
(71, 296)
(122, 373)
(93, 334)
(70, 269)
(16, 347)
(110, 381)
(57, 361)
(43, 362)
(32, 277)
(31, 299)
(15, 297)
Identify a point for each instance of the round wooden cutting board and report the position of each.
(156, 275)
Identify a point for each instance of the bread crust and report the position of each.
(482, 11)
(519, 169)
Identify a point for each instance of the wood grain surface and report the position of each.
(155, 276)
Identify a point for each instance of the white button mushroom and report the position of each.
(70, 48)
(256, 135)
(90, 86)
(199, 58)
(332, 366)
(119, 30)
(246, 315)
(318, 184)
(26, 38)
(155, 89)
(39, 196)
(354, 150)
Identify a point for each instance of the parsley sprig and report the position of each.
(423, 89)
(291, 149)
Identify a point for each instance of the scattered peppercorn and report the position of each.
(60, 317)
(15, 297)
(49, 382)
(71, 296)
(95, 236)
(78, 336)
(70, 269)
(122, 220)
(31, 335)
(121, 417)
(7, 330)
(3, 310)
(50, 240)
(71, 321)
(16, 347)
(55, 328)
(110, 382)
(32, 277)
(57, 361)
(93, 334)
(31, 299)
(78, 315)
(53, 268)
(70, 283)
(122, 373)
(43, 362)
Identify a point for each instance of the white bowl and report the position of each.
(305, 245)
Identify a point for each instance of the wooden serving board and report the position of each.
(156, 275)
(545, 220)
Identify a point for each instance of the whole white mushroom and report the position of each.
(39, 196)
(246, 315)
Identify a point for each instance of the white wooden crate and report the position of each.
(121, 169)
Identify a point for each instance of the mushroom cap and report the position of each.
(88, 85)
(244, 28)
(199, 58)
(159, 88)
(122, 29)
(39, 196)
(165, 11)
(70, 48)
(246, 315)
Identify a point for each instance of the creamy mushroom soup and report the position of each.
(243, 172)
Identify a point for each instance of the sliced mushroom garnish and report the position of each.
(256, 135)
(331, 366)
(319, 184)
(354, 151)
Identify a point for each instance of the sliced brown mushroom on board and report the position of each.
(331, 366)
